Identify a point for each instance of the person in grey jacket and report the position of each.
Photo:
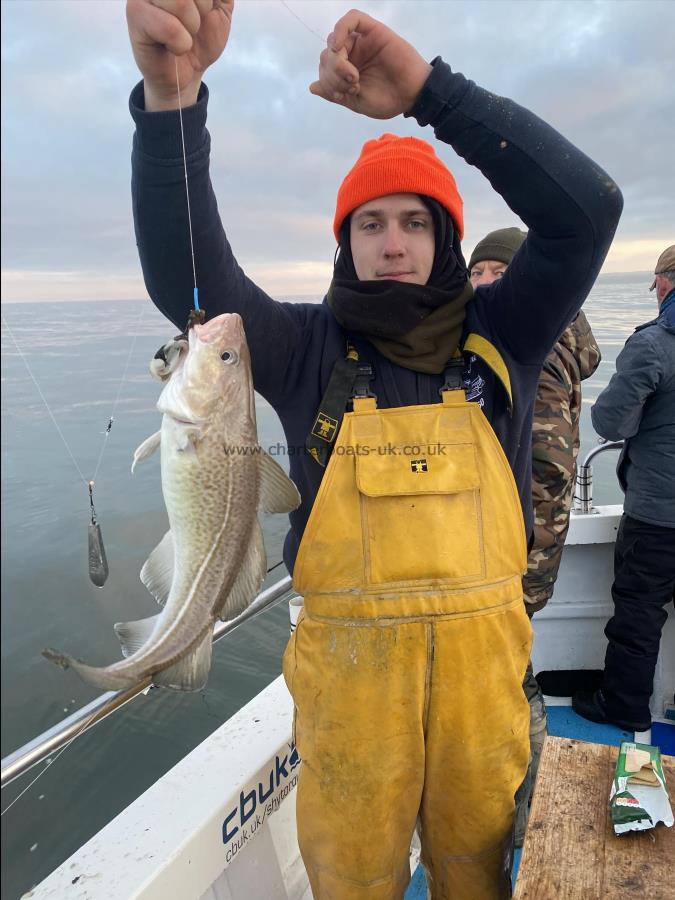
(638, 406)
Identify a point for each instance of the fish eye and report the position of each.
(229, 357)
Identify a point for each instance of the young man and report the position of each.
(411, 561)
(555, 446)
(638, 406)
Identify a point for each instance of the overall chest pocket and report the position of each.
(421, 513)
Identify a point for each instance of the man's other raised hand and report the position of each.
(368, 68)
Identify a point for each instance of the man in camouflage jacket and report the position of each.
(555, 428)
(555, 445)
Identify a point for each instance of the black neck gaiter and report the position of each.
(416, 326)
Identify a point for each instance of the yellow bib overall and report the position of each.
(407, 664)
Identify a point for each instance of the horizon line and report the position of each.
(281, 297)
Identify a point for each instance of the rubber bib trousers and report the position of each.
(407, 664)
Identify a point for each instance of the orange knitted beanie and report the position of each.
(398, 165)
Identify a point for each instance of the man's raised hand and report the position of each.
(368, 68)
(192, 32)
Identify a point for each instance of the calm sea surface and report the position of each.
(78, 353)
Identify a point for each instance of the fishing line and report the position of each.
(296, 16)
(106, 433)
(98, 564)
(51, 415)
(187, 191)
(50, 763)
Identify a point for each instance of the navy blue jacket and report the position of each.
(569, 204)
(638, 406)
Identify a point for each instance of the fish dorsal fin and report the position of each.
(133, 635)
(146, 449)
(192, 671)
(157, 571)
(278, 494)
(248, 581)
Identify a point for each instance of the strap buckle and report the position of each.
(453, 379)
(364, 376)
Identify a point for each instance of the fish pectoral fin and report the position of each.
(248, 581)
(157, 571)
(133, 635)
(278, 494)
(146, 449)
(187, 438)
(192, 671)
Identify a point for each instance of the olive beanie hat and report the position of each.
(500, 245)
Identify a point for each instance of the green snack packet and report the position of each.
(639, 797)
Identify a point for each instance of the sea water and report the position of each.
(90, 361)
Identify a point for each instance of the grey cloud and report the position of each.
(590, 68)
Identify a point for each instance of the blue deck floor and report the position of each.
(564, 722)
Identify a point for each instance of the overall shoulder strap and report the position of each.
(482, 347)
(348, 379)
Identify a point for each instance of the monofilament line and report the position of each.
(187, 189)
(50, 763)
(119, 393)
(296, 16)
(51, 415)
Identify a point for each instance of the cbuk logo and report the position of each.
(261, 793)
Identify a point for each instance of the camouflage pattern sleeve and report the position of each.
(555, 445)
(555, 440)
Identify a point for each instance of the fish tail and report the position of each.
(100, 677)
(59, 659)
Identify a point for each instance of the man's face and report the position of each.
(663, 287)
(486, 271)
(392, 237)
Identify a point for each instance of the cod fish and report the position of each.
(215, 477)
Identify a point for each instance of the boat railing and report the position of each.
(59, 735)
(583, 491)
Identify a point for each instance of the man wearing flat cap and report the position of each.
(638, 406)
(665, 276)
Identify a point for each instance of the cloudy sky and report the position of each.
(601, 71)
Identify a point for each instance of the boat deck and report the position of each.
(571, 850)
(563, 722)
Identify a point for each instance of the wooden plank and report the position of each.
(571, 851)
(644, 866)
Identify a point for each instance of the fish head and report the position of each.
(212, 377)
